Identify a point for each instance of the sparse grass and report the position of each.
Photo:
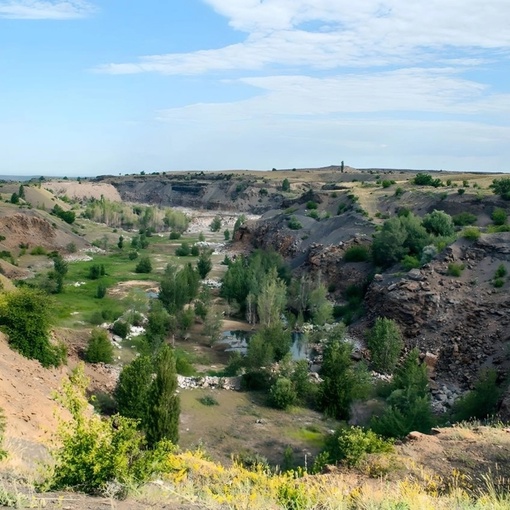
(455, 269)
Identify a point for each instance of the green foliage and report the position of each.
(67, 216)
(163, 403)
(26, 317)
(501, 187)
(14, 198)
(461, 191)
(99, 348)
(60, 269)
(195, 251)
(282, 394)
(455, 269)
(294, 224)
(132, 388)
(96, 271)
(343, 382)
(399, 192)
(311, 205)
(3, 453)
(159, 324)
(38, 250)
(501, 271)
(178, 287)
(133, 255)
(499, 216)
(267, 345)
(204, 264)
(471, 233)
(350, 445)
(426, 180)
(481, 401)
(438, 223)
(120, 328)
(409, 402)
(174, 235)
(215, 225)
(357, 253)
(386, 183)
(385, 343)
(183, 250)
(498, 283)
(226, 235)
(208, 400)
(410, 262)
(94, 452)
(463, 219)
(144, 265)
(101, 291)
(285, 185)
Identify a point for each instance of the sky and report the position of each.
(94, 87)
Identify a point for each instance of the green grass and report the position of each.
(307, 435)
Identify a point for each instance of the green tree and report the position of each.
(272, 299)
(26, 317)
(159, 324)
(282, 394)
(204, 264)
(502, 187)
(144, 265)
(285, 185)
(213, 325)
(163, 409)
(21, 192)
(226, 235)
(320, 308)
(99, 348)
(60, 267)
(14, 198)
(385, 343)
(120, 243)
(409, 402)
(343, 382)
(439, 223)
(215, 225)
(132, 390)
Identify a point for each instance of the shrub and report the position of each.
(463, 219)
(351, 445)
(133, 255)
(175, 235)
(498, 283)
(499, 216)
(3, 453)
(26, 316)
(311, 205)
(399, 192)
(455, 269)
(387, 183)
(144, 266)
(120, 328)
(208, 400)
(38, 250)
(285, 185)
(500, 271)
(226, 235)
(385, 343)
(426, 180)
(183, 250)
(195, 251)
(294, 224)
(101, 291)
(471, 233)
(215, 225)
(282, 394)
(438, 223)
(410, 262)
(461, 191)
(501, 187)
(481, 401)
(357, 254)
(99, 348)
(96, 271)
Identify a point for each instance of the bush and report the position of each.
(101, 291)
(357, 254)
(99, 348)
(294, 224)
(351, 445)
(501, 187)
(426, 180)
(461, 191)
(499, 216)
(26, 316)
(215, 225)
(311, 205)
(455, 269)
(481, 401)
(96, 271)
(195, 251)
(387, 183)
(471, 233)
(120, 328)
(208, 400)
(399, 192)
(498, 283)
(385, 343)
(410, 262)
(133, 255)
(463, 219)
(183, 250)
(175, 235)
(500, 271)
(282, 394)
(144, 266)
(38, 250)
(438, 223)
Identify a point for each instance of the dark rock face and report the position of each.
(463, 320)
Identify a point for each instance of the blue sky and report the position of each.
(92, 87)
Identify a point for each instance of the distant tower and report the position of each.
(342, 167)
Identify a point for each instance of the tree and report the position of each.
(282, 394)
(409, 402)
(159, 325)
(320, 308)
(226, 235)
(120, 243)
(285, 185)
(212, 326)
(439, 223)
(271, 300)
(388, 246)
(385, 343)
(215, 224)
(14, 198)
(144, 265)
(26, 316)
(343, 382)
(133, 386)
(204, 264)
(501, 187)
(60, 267)
(99, 348)
(163, 409)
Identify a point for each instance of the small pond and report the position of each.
(238, 340)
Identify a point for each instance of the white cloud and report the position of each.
(45, 10)
(329, 34)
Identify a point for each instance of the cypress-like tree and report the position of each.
(163, 408)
